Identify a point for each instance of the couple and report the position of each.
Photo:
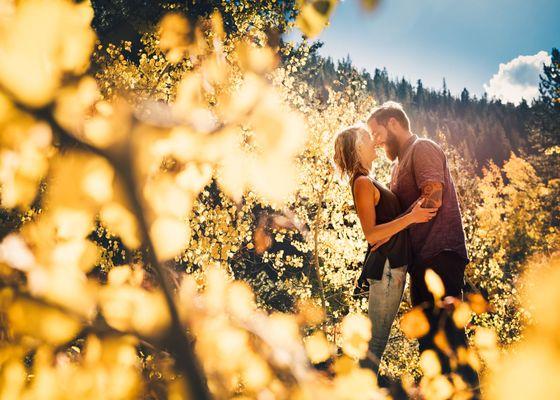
(410, 227)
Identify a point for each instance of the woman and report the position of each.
(384, 227)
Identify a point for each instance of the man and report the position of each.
(421, 170)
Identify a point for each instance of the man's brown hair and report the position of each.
(390, 109)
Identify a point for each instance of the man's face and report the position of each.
(384, 136)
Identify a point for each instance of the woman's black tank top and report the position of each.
(397, 249)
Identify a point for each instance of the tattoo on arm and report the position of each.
(433, 193)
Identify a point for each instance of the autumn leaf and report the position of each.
(414, 323)
(317, 347)
(174, 30)
(434, 284)
(261, 238)
(440, 340)
(170, 236)
(37, 51)
(356, 333)
(477, 303)
(429, 363)
(462, 315)
(314, 16)
(370, 5)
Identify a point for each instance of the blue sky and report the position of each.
(463, 40)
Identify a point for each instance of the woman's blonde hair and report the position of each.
(345, 152)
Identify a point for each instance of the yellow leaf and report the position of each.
(25, 150)
(283, 329)
(109, 125)
(370, 5)
(74, 102)
(122, 223)
(189, 95)
(462, 315)
(131, 308)
(437, 388)
(434, 283)
(78, 38)
(256, 59)
(440, 340)
(356, 333)
(78, 253)
(477, 303)
(362, 378)
(29, 318)
(310, 313)
(174, 37)
(217, 25)
(216, 286)
(314, 16)
(65, 285)
(72, 223)
(429, 363)
(36, 51)
(119, 275)
(255, 372)
(414, 323)
(170, 236)
(232, 177)
(15, 252)
(194, 177)
(240, 300)
(343, 365)
(485, 338)
(262, 240)
(167, 198)
(98, 180)
(317, 347)
(280, 170)
(14, 375)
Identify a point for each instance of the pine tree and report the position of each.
(465, 96)
(419, 96)
(549, 87)
(444, 91)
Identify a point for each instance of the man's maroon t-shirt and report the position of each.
(420, 161)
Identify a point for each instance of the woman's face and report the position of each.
(366, 149)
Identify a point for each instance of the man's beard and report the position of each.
(391, 145)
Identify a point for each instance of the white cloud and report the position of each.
(518, 79)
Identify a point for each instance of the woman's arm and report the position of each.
(365, 195)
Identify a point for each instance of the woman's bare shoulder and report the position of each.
(363, 186)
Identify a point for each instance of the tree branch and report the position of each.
(179, 343)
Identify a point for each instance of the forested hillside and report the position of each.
(482, 129)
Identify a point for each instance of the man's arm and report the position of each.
(429, 172)
(432, 191)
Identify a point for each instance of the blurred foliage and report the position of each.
(172, 224)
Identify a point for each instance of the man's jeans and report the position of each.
(385, 297)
